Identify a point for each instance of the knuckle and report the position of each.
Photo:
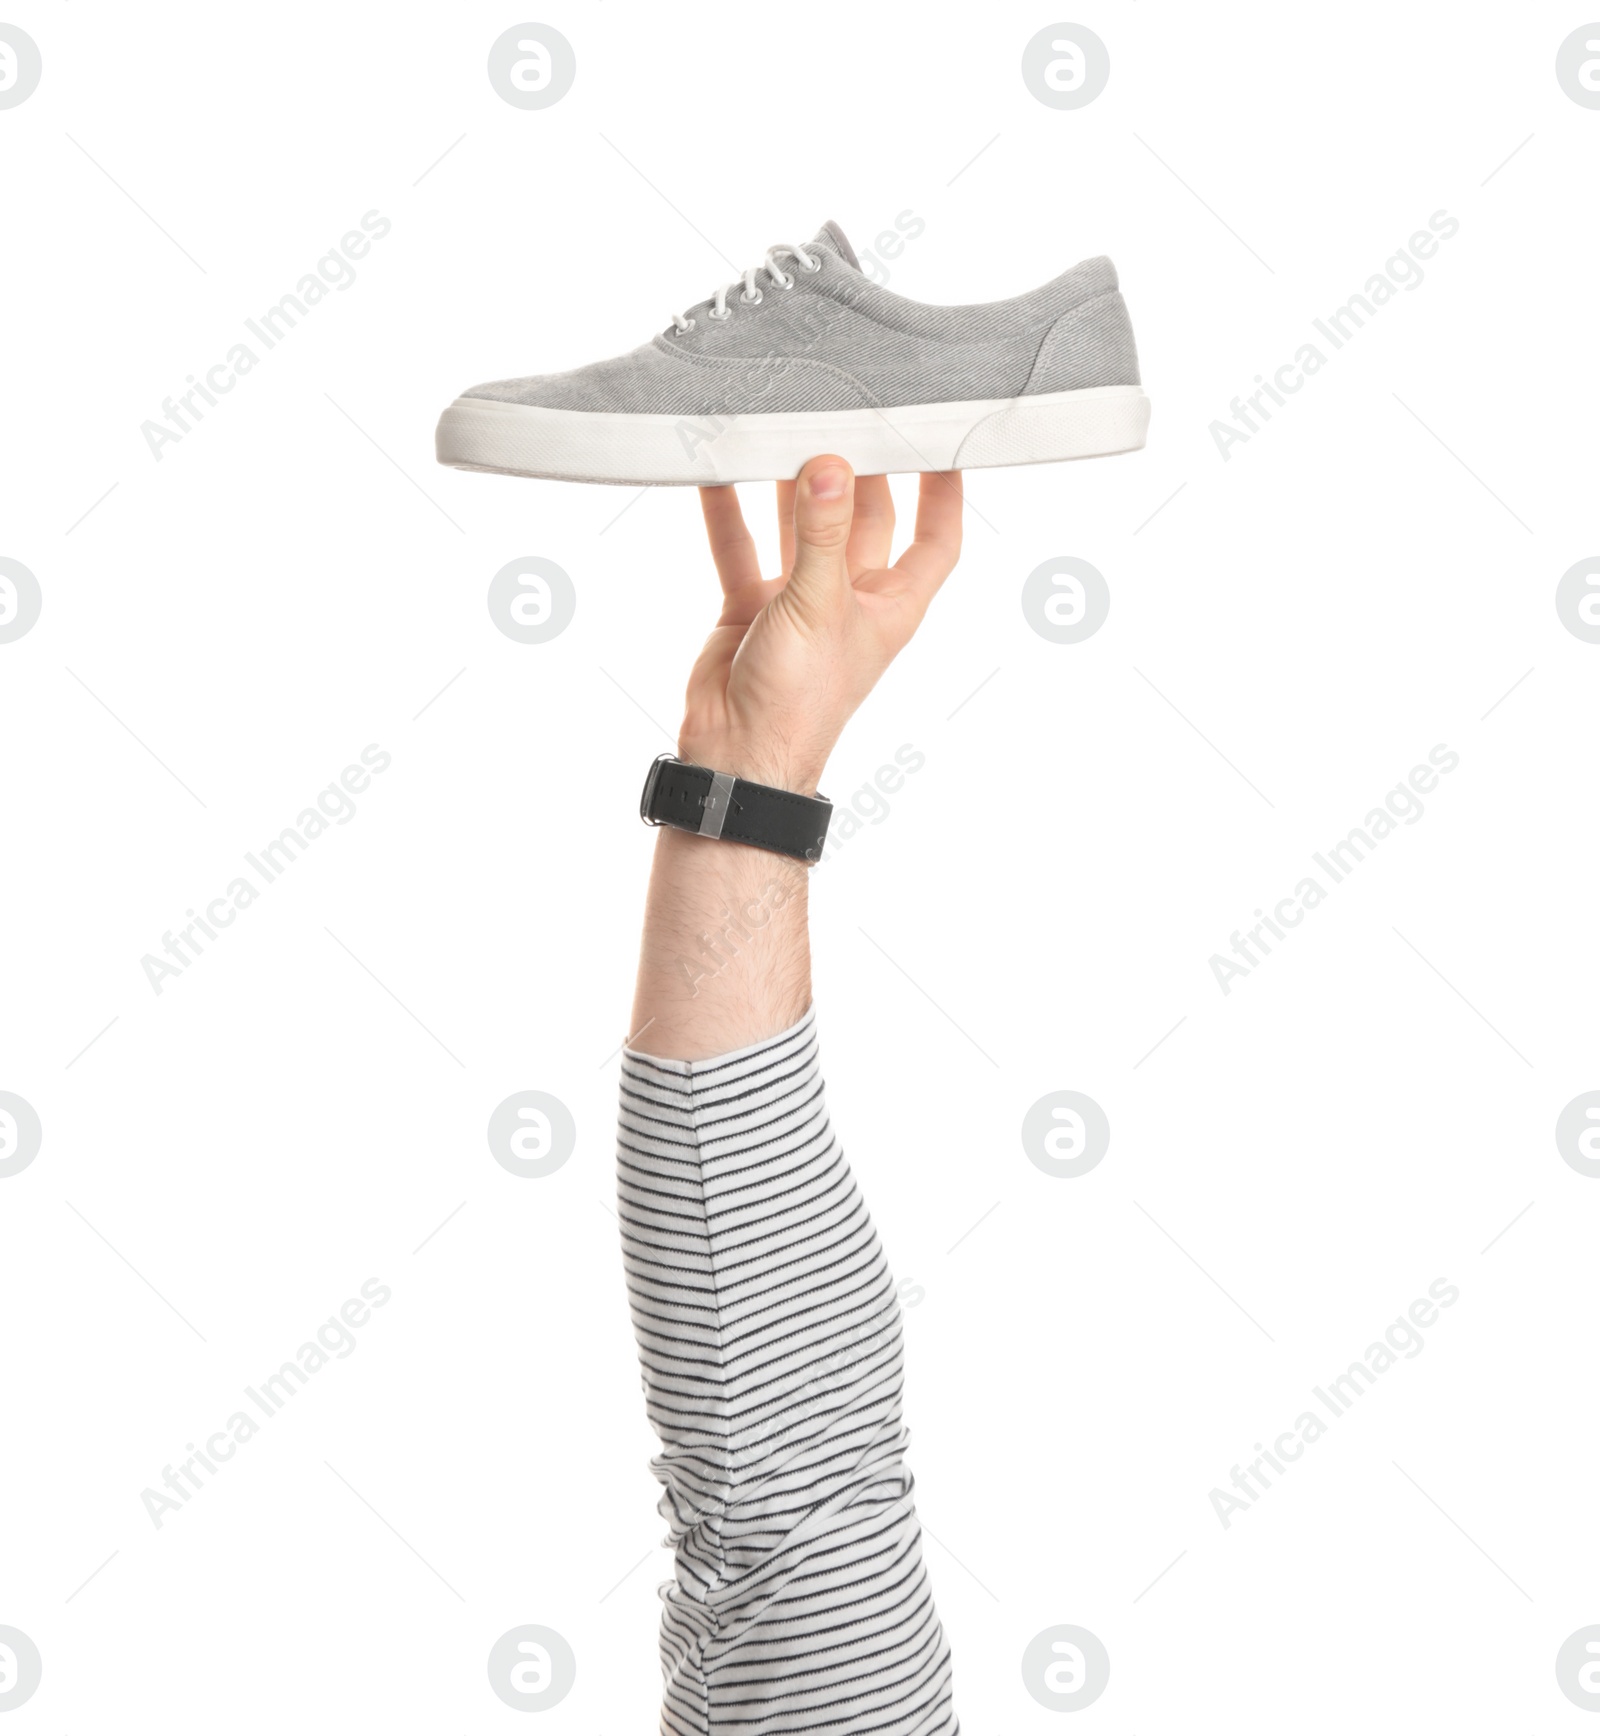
(827, 533)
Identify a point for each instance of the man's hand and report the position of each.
(791, 658)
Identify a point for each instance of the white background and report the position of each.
(1289, 635)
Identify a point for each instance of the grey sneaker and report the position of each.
(808, 357)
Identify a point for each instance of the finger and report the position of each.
(733, 549)
(786, 525)
(936, 541)
(823, 499)
(872, 531)
(708, 680)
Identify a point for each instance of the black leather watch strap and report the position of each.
(716, 805)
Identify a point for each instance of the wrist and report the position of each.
(781, 765)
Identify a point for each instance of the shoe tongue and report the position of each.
(831, 236)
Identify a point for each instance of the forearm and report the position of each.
(725, 958)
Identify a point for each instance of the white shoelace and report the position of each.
(751, 295)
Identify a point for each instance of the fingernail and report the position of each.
(828, 483)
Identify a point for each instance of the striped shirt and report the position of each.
(770, 1339)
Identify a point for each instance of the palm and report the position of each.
(790, 654)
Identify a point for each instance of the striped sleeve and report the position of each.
(770, 1340)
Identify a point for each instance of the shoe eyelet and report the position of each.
(751, 298)
(684, 329)
(782, 282)
(727, 313)
(812, 265)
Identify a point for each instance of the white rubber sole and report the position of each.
(766, 446)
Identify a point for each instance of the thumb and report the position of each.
(824, 501)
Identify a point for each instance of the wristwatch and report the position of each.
(712, 804)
